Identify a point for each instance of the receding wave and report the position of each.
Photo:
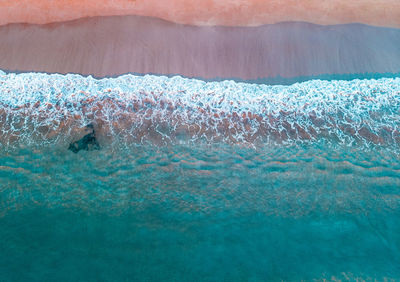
(45, 110)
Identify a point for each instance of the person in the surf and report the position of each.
(87, 142)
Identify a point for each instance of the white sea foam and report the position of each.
(37, 107)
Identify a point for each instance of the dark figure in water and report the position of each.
(87, 142)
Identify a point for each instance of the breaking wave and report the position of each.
(52, 109)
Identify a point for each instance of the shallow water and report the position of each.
(200, 213)
(284, 182)
(40, 110)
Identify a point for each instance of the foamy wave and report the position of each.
(38, 108)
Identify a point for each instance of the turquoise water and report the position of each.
(199, 214)
(278, 183)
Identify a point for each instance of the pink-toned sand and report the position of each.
(208, 12)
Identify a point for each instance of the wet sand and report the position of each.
(208, 12)
(110, 46)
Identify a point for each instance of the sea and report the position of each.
(179, 179)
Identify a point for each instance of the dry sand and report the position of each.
(108, 46)
(208, 12)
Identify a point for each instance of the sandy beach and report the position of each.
(209, 12)
(110, 46)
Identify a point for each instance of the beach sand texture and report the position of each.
(110, 46)
(208, 12)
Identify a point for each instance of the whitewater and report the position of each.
(50, 109)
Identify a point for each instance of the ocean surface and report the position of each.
(198, 181)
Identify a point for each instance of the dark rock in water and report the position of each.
(87, 142)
